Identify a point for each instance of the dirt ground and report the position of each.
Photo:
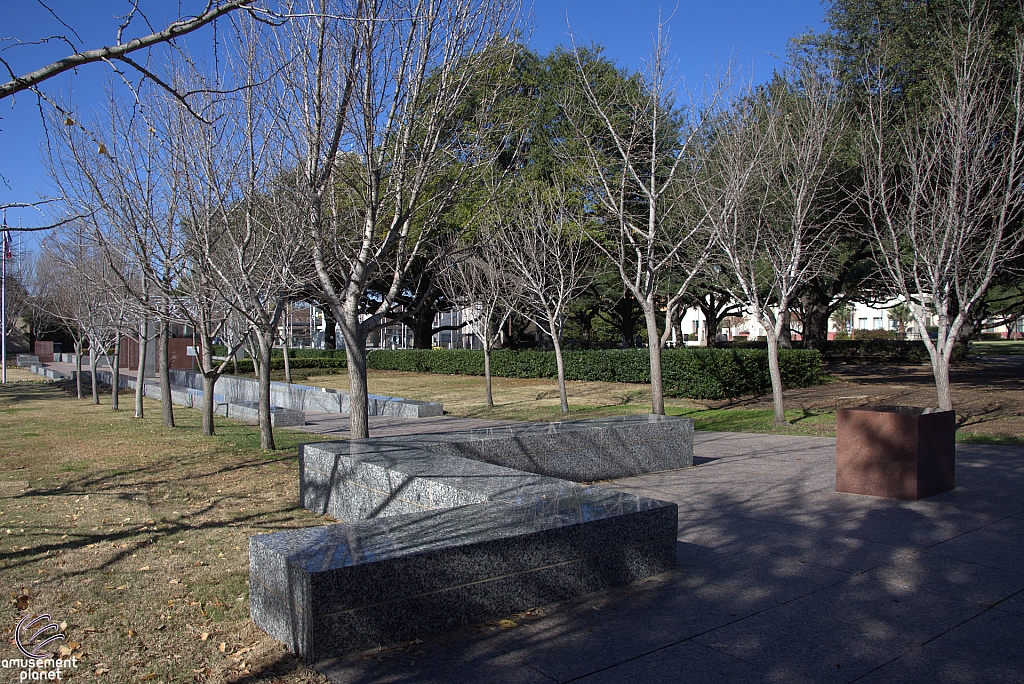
(988, 392)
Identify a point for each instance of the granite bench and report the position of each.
(437, 541)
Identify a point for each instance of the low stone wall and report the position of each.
(24, 360)
(436, 541)
(250, 413)
(307, 398)
(51, 373)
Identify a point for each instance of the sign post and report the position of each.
(3, 301)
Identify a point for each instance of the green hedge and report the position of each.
(277, 363)
(884, 351)
(696, 373)
(874, 351)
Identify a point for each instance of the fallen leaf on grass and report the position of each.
(146, 678)
(144, 568)
(204, 636)
(223, 647)
(69, 648)
(507, 624)
(101, 669)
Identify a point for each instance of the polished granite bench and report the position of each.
(436, 540)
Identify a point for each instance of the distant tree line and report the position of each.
(395, 160)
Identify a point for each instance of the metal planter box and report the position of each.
(900, 452)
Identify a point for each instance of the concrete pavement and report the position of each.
(779, 579)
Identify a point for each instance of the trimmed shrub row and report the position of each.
(277, 363)
(696, 373)
(875, 351)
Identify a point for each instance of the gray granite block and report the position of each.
(279, 617)
(436, 570)
(435, 540)
(627, 564)
(338, 633)
(27, 360)
(501, 596)
(581, 451)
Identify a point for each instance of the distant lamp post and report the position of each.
(7, 254)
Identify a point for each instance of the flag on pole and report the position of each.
(7, 245)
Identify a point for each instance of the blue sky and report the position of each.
(703, 34)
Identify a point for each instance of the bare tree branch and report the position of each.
(121, 50)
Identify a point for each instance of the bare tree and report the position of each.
(62, 292)
(117, 178)
(772, 199)
(637, 158)
(943, 182)
(377, 119)
(18, 276)
(242, 229)
(478, 279)
(548, 252)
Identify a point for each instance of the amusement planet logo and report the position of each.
(32, 635)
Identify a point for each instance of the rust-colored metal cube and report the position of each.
(901, 452)
(44, 350)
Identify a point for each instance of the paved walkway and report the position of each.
(780, 579)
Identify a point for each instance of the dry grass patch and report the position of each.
(514, 398)
(987, 394)
(136, 536)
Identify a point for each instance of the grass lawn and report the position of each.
(537, 400)
(136, 536)
(998, 347)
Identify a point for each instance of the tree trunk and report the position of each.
(776, 377)
(355, 354)
(654, 347)
(94, 361)
(627, 331)
(711, 321)
(115, 374)
(939, 353)
(164, 361)
(557, 342)
(940, 369)
(140, 376)
(78, 368)
(785, 332)
(816, 314)
(287, 361)
(423, 328)
(330, 329)
(487, 371)
(265, 342)
(209, 385)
